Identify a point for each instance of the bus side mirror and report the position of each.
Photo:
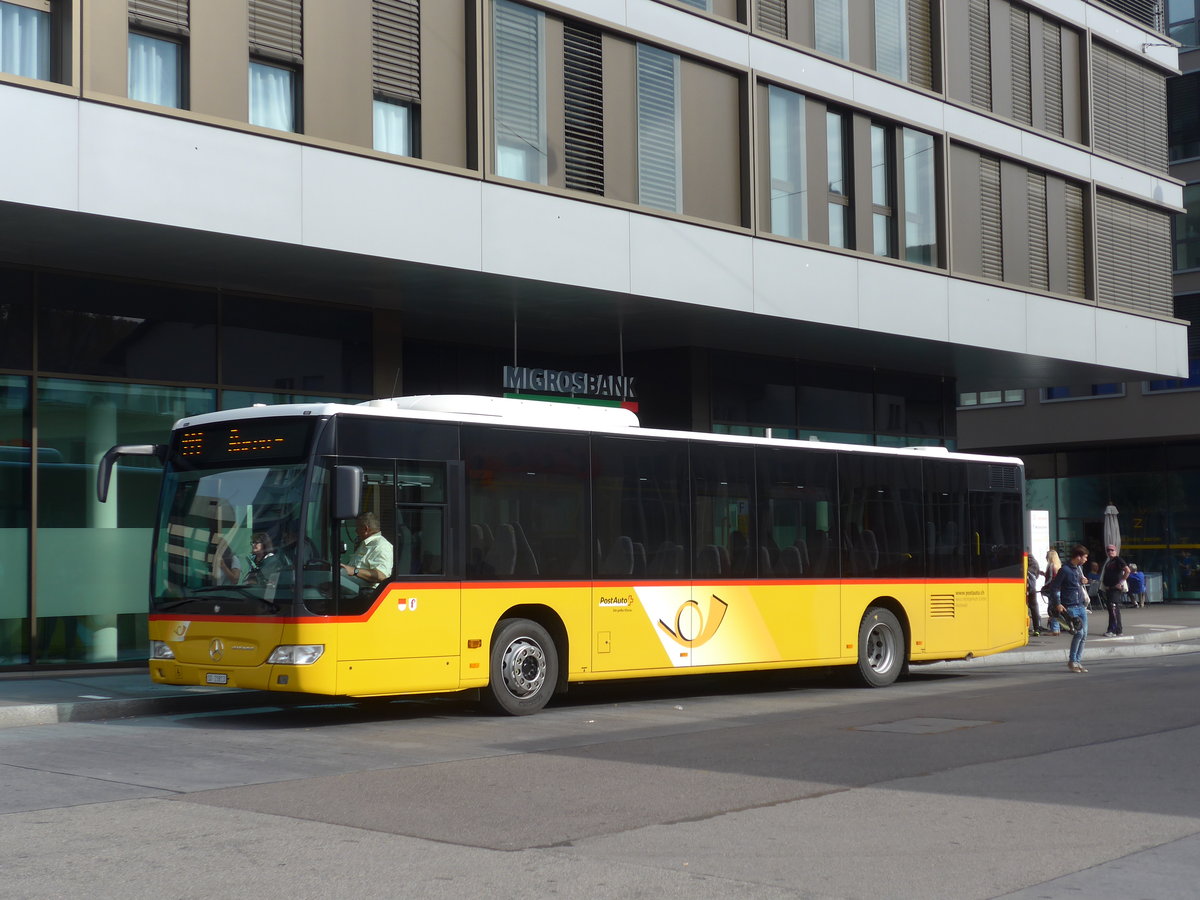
(347, 491)
(109, 459)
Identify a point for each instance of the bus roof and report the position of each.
(475, 409)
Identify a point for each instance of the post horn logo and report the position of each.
(694, 625)
(216, 649)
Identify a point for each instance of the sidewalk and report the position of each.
(81, 696)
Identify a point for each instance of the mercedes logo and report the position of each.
(216, 649)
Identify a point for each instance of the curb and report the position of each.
(1186, 640)
(18, 715)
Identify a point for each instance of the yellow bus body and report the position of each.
(434, 637)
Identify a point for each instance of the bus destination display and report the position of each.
(272, 439)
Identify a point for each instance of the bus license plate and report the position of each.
(214, 678)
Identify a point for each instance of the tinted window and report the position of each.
(947, 520)
(93, 326)
(797, 510)
(16, 341)
(527, 504)
(295, 346)
(640, 491)
(997, 517)
(881, 517)
(722, 509)
(388, 438)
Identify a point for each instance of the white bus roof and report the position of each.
(544, 414)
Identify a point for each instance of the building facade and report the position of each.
(1135, 443)
(821, 218)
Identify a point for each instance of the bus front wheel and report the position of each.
(524, 668)
(881, 651)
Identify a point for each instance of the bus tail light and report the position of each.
(296, 654)
(161, 650)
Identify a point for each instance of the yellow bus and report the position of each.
(536, 544)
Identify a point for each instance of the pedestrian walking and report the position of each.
(1070, 584)
(1032, 572)
(1113, 580)
(1052, 566)
(1137, 586)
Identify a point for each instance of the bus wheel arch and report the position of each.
(525, 663)
(883, 639)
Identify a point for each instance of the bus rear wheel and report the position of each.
(524, 668)
(881, 650)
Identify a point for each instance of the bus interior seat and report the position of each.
(801, 545)
(619, 559)
(790, 565)
(404, 550)
(667, 559)
(525, 563)
(639, 560)
(765, 569)
(501, 558)
(708, 561)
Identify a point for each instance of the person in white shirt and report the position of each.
(371, 560)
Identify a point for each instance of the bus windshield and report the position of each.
(235, 534)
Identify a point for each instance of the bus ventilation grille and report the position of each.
(941, 606)
(1002, 478)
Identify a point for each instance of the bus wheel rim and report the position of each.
(524, 667)
(881, 648)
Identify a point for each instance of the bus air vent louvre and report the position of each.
(941, 606)
(1002, 478)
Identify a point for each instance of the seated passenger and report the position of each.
(264, 563)
(371, 560)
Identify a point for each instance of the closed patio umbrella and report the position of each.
(1112, 527)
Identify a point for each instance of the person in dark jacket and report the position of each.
(1071, 586)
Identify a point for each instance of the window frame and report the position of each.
(181, 65)
(294, 71)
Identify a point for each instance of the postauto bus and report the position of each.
(537, 544)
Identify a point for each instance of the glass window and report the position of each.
(891, 33)
(526, 503)
(882, 221)
(16, 319)
(948, 519)
(15, 454)
(705, 5)
(660, 175)
(640, 514)
(272, 96)
(920, 198)
(797, 514)
(831, 34)
(723, 485)
(1183, 116)
(93, 557)
(24, 41)
(520, 103)
(789, 189)
(95, 326)
(393, 126)
(881, 517)
(155, 70)
(1181, 22)
(295, 348)
(839, 185)
(1078, 391)
(1187, 230)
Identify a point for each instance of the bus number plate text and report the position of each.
(214, 678)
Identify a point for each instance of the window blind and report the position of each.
(920, 43)
(1022, 82)
(1129, 108)
(277, 29)
(517, 91)
(1039, 231)
(1076, 246)
(583, 78)
(659, 171)
(160, 15)
(991, 232)
(771, 16)
(1133, 255)
(980, 38)
(1052, 76)
(829, 26)
(396, 48)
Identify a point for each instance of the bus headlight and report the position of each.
(296, 654)
(161, 650)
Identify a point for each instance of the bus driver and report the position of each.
(371, 561)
